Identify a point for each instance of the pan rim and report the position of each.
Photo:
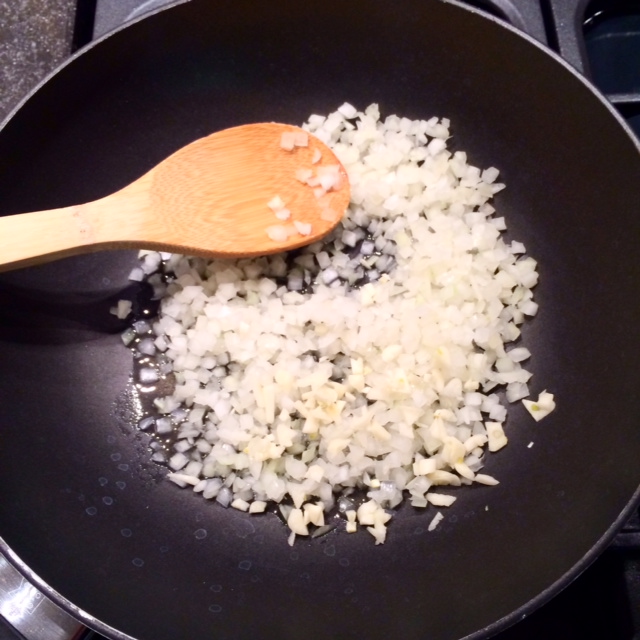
(80, 52)
(565, 580)
(523, 611)
(588, 84)
(457, 3)
(486, 632)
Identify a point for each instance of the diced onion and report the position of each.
(542, 407)
(376, 359)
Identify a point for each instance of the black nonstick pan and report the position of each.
(88, 517)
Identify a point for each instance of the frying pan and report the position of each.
(86, 515)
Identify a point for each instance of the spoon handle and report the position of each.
(32, 238)
(28, 239)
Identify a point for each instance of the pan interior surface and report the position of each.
(83, 506)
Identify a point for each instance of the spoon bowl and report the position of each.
(246, 191)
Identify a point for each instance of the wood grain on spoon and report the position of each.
(208, 198)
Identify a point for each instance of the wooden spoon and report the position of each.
(210, 198)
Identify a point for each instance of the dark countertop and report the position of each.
(35, 37)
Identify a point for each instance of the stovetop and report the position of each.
(602, 40)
